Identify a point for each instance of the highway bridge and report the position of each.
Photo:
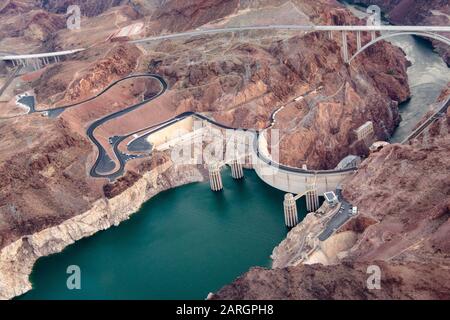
(36, 60)
(377, 33)
(288, 179)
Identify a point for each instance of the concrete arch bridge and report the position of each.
(378, 33)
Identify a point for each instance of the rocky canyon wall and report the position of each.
(411, 12)
(402, 193)
(18, 258)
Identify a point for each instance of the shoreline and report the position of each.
(18, 258)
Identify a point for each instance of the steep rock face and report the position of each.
(402, 193)
(240, 83)
(326, 121)
(407, 12)
(180, 15)
(251, 79)
(246, 85)
(31, 24)
(341, 282)
(115, 188)
(119, 61)
(18, 258)
(41, 26)
(406, 188)
(13, 7)
(410, 12)
(42, 182)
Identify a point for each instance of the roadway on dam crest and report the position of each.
(103, 166)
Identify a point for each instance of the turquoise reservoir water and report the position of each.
(182, 244)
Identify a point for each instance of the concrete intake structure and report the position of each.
(236, 169)
(290, 210)
(365, 131)
(312, 199)
(215, 179)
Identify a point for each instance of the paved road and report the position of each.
(438, 114)
(10, 79)
(307, 28)
(341, 217)
(107, 165)
(103, 161)
(5, 56)
(293, 169)
(102, 157)
(104, 166)
(59, 110)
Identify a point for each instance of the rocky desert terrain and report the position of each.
(340, 282)
(238, 79)
(411, 12)
(402, 194)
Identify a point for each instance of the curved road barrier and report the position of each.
(264, 163)
(102, 156)
(283, 177)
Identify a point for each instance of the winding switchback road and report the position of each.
(102, 156)
(103, 166)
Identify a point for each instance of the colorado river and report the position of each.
(182, 244)
(428, 75)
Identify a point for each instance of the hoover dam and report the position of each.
(106, 142)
